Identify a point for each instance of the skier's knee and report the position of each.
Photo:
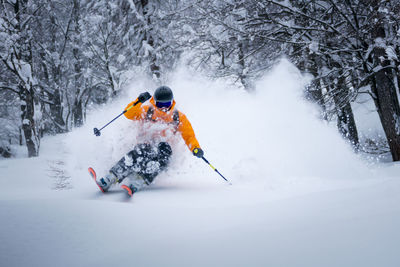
(164, 154)
(164, 149)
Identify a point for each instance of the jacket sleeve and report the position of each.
(185, 128)
(135, 112)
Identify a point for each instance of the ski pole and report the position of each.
(215, 170)
(97, 131)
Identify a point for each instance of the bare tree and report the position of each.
(16, 55)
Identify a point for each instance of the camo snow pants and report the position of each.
(142, 164)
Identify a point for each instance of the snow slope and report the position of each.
(300, 196)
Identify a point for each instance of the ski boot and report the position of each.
(136, 182)
(130, 189)
(105, 182)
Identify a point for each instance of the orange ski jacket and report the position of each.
(176, 119)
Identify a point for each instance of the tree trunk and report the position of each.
(242, 74)
(56, 111)
(345, 117)
(20, 136)
(109, 72)
(154, 67)
(148, 38)
(388, 109)
(383, 88)
(77, 107)
(23, 54)
(77, 113)
(28, 124)
(314, 91)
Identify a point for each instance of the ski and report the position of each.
(125, 188)
(93, 174)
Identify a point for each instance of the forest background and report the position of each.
(60, 58)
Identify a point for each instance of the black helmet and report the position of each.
(163, 96)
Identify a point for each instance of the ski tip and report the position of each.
(92, 172)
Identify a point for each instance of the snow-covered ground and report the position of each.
(300, 196)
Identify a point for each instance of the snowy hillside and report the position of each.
(300, 196)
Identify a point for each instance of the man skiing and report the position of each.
(159, 121)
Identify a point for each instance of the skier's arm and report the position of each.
(186, 130)
(135, 112)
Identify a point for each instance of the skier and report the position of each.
(159, 121)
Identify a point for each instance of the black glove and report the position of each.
(198, 152)
(143, 97)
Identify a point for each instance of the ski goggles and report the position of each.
(163, 104)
